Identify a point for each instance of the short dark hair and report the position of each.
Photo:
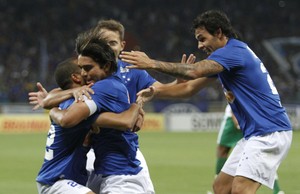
(64, 71)
(213, 20)
(90, 46)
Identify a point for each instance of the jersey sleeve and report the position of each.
(227, 57)
(110, 96)
(145, 80)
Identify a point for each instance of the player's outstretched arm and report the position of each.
(184, 60)
(79, 111)
(203, 68)
(178, 91)
(190, 60)
(36, 98)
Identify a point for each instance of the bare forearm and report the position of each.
(202, 68)
(122, 121)
(70, 117)
(55, 97)
(183, 90)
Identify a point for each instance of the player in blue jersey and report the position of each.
(113, 32)
(63, 170)
(115, 150)
(248, 87)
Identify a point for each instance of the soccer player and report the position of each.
(115, 150)
(63, 170)
(113, 32)
(251, 93)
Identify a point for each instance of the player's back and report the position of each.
(65, 156)
(115, 150)
(250, 90)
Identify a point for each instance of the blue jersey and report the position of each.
(250, 90)
(115, 150)
(134, 79)
(65, 156)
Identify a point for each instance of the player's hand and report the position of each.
(36, 98)
(190, 60)
(145, 95)
(83, 90)
(140, 121)
(139, 60)
(95, 128)
(87, 140)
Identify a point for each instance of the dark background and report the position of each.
(36, 35)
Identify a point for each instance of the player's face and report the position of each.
(206, 41)
(90, 70)
(78, 78)
(113, 40)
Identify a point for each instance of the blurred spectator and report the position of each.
(37, 34)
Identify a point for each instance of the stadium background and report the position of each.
(35, 35)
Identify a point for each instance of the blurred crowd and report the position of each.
(37, 34)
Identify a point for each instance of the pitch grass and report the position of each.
(179, 163)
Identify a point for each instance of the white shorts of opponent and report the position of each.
(259, 157)
(140, 183)
(63, 186)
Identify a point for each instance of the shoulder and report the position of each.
(108, 84)
(122, 63)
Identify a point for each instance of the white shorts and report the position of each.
(259, 157)
(64, 186)
(91, 158)
(121, 184)
(141, 179)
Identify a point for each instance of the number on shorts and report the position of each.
(72, 183)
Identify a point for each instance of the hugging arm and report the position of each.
(72, 116)
(122, 121)
(46, 100)
(79, 111)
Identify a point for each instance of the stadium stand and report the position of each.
(37, 34)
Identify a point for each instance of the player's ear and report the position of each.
(76, 77)
(107, 67)
(219, 32)
(123, 43)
